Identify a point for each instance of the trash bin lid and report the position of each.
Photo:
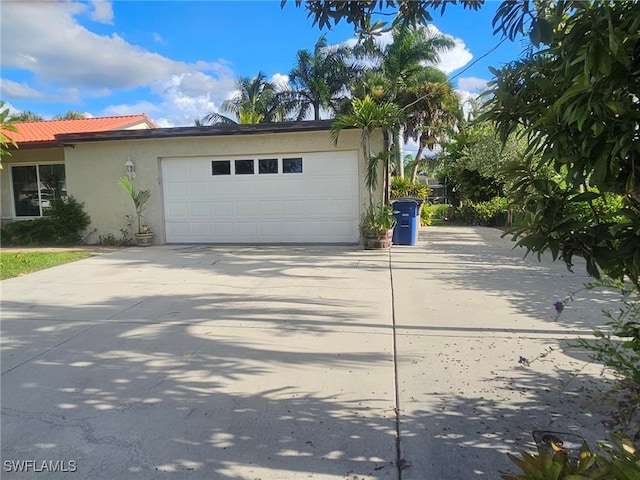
(408, 200)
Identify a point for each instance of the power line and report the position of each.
(463, 70)
(479, 58)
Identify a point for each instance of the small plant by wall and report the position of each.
(61, 225)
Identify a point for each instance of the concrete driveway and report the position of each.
(202, 362)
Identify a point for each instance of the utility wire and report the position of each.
(461, 71)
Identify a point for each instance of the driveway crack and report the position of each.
(401, 463)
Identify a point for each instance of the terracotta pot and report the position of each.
(377, 242)
(143, 239)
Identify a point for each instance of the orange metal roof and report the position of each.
(45, 132)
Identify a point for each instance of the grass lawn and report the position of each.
(14, 264)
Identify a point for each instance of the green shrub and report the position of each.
(492, 212)
(426, 215)
(69, 218)
(618, 462)
(38, 231)
(440, 212)
(404, 187)
(60, 225)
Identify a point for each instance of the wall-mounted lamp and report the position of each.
(131, 168)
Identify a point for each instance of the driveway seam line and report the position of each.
(396, 387)
(48, 350)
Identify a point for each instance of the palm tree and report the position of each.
(320, 78)
(257, 100)
(431, 109)
(368, 116)
(70, 115)
(400, 67)
(27, 116)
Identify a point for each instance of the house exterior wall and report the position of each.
(93, 169)
(23, 157)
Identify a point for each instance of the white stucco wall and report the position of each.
(93, 169)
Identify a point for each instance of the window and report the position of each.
(36, 186)
(268, 165)
(221, 167)
(291, 165)
(244, 167)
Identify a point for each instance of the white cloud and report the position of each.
(455, 58)
(450, 60)
(473, 84)
(15, 90)
(280, 81)
(102, 12)
(46, 40)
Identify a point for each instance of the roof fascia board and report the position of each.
(184, 132)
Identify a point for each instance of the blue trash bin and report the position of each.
(406, 230)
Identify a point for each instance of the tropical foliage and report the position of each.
(139, 197)
(6, 127)
(368, 116)
(576, 102)
(320, 78)
(256, 100)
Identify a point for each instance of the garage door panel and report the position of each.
(221, 190)
(201, 230)
(244, 209)
(223, 229)
(294, 208)
(198, 191)
(222, 209)
(198, 171)
(244, 189)
(246, 230)
(178, 210)
(177, 190)
(178, 229)
(200, 209)
(270, 208)
(319, 204)
(176, 171)
(269, 229)
(293, 187)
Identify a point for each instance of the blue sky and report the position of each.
(177, 60)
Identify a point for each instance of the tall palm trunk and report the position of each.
(400, 151)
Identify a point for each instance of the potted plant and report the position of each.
(376, 227)
(144, 235)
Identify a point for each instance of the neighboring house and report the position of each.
(438, 192)
(36, 172)
(264, 183)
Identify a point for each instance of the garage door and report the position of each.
(293, 198)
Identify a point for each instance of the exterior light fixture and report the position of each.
(131, 168)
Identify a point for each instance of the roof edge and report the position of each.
(208, 131)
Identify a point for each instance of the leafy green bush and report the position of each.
(377, 220)
(60, 225)
(69, 218)
(492, 212)
(38, 231)
(621, 462)
(426, 215)
(404, 187)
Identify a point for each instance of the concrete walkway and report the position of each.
(203, 362)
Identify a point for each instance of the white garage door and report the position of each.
(297, 198)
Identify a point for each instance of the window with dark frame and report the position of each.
(292, 165)
(221, 167)
(35, 187)
(244, 167)
(267, 165)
